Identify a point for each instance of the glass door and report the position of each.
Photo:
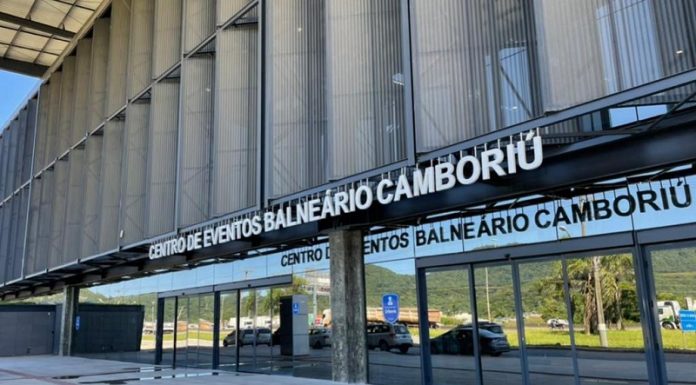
(229, 334)
(168, 331)
(182, 327)
(451, 335)
(673, 275)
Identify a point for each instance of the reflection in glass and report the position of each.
(495, 302)
(546, 326)
(674, 271)
(228, 331)
(606, 319)
(451, 340)
(168, 331)
(399, 344)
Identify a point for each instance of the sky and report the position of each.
(14, 91)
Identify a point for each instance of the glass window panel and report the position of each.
(497, 323)
(674, 277)
(228, 331)
(546, 325)
(451, 335)
(438, 238)
(397, 345)
(603, 288)
(664, 203)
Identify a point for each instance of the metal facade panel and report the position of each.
(60, 202)
(20, 237)
(29, 139)
(199, 22)
(167, 35)
(81, 101)
(118, 56)
(4, 241)
(91, 222)
(110, 185)
(140, 50)
(4, 160)
(67, 97)
(196, 127)
(99, 65)
(42, 127)
(235, 136)
(135, 173)
(228, 8)
(296, 95)
(19, 148)
(11, 162)
(75, 204)
(33, 230)
(43, 245)
(162, 159)
(365, 85)
(51, 148)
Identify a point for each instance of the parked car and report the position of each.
(490, 326)
(555, 323)
(460, 340)
(387, 336)
(319, 337)
(260, 336)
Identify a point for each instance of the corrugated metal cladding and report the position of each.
(140, 47)
(196, 128)
(53, 118)
(110, 185)
(365, 85)
(29, 138)
(235, 135)
(75, 204)
(81, 99)
(67, 105)
(91, 222)
(199, 22)
(296, 105)
(228, 8)
(60, 199)
(135, 173)
(43, 248)
(162, 159)
(118, 56)
(99, 65)
(167, 35)
(42, 127)
(5, 240)
(31, 264)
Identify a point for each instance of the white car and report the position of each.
(556, 323)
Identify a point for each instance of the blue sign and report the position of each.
(295, 308)
(77, 322)
(688, 320)
(390, 307)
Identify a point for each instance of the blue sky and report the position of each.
(14, 90)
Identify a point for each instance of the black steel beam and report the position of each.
(21, 67)
(26, 23)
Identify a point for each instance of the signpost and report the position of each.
(688, 320)
(390, 307)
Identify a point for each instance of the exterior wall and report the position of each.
(260, 113)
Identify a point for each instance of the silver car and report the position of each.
(319, 337)
(386, 337)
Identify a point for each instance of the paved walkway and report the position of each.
(54, 370)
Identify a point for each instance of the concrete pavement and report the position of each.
(54, 370)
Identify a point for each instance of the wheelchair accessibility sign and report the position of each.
(390, 307)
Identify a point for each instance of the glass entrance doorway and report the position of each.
(187, 331)
(553, 320)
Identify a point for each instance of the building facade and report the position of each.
(392, 191)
